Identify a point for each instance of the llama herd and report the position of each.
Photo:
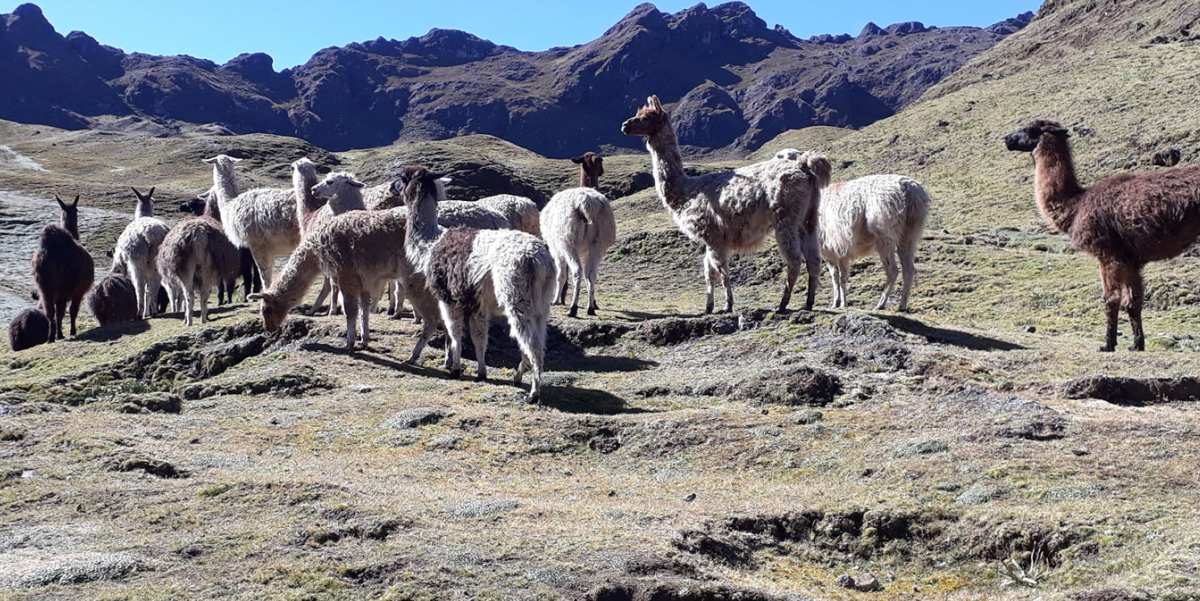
(460, 264)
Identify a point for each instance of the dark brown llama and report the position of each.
(28, 329)
(1125, 221)
(62, 269)
(113, 300)
(591, 167)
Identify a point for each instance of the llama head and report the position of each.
(145, 202)
(69, 215)
(222, 163)
(303, 170)
(649, 120)
(335, 185)
(591, 167)
(195, 205)
(418, 183)
(274, 310)
(398, 185)
(1027, 138)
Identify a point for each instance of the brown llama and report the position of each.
(28, 329)
(247, 270)
(591, 167)
(62, 269)
(1125, 221)
(113, 300)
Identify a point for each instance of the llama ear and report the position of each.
(151, 192)
(355, 183)
(235, 159)
(577, 160)
(60, 202)
(75, 203)
(210, 160)
(655, 103)
(253, 296)
(445, 180)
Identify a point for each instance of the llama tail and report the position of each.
(601, 224)
(528, 310)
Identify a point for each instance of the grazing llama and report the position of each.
(194, 257)
(262, 219)
(137, 250)
(884, 213)
(1125, 221)
(62, 269)
(579, 226)
(476, 274)
(732, 211)
(113, 300)
(361, 251)
(28, 329)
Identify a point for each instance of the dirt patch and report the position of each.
(831, 538)
(290, 385)
(788, 386)
(139, 463)
(1134, 392)
(676, 330)
(678, 591)
(376, 530)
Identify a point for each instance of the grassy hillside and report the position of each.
(752, 456)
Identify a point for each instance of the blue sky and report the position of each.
(220, 29)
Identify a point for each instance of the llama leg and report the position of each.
(887, 256)
(205, 291)
(560, 279)
(1135, 297)
(789, 246)
(723, 269)
(321, 296)
(577, 275)
(530, 334)
(74, 310)
(351, 321)
(812, 264)
(710, 274)
(264, 263)
(593, 266)
(453, 318)
(364, 317)
(908, 264)
(478, 325)
(139, 291)
(189, 296)
(1110, 279)
(835, 282)
(57, 315)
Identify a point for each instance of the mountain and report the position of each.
(733, 82)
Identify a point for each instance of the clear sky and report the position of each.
(292, 30)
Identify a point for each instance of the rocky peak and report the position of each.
(871, 30)
(254, 66)
(105, 59)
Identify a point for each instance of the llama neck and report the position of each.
(71, 225)
(212, 208)
(349, 198)
(143, 209)
(225, 187)
(1055, 185)
(297, 276)
(586, 180)
(422, 231)
(667, 166)
(307, 203)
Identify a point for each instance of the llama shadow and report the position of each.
(373, 355)
(562, 353)
(569, 399)
(647, 316)
(957, 338)
(113, 332)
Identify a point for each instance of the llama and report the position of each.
(591, 167)
(732, 211)
(361, 251)
(247, 270)
(28, 329)
(340, 192)
(137, 250)
(262, 219)
(519, 212)
(1124, 221)
(114, 299)
(194, 257)
(579, 228)
(382, 196)
(62, 269)
(885, 213)
(476, 274)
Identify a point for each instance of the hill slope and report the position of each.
(737, 82)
